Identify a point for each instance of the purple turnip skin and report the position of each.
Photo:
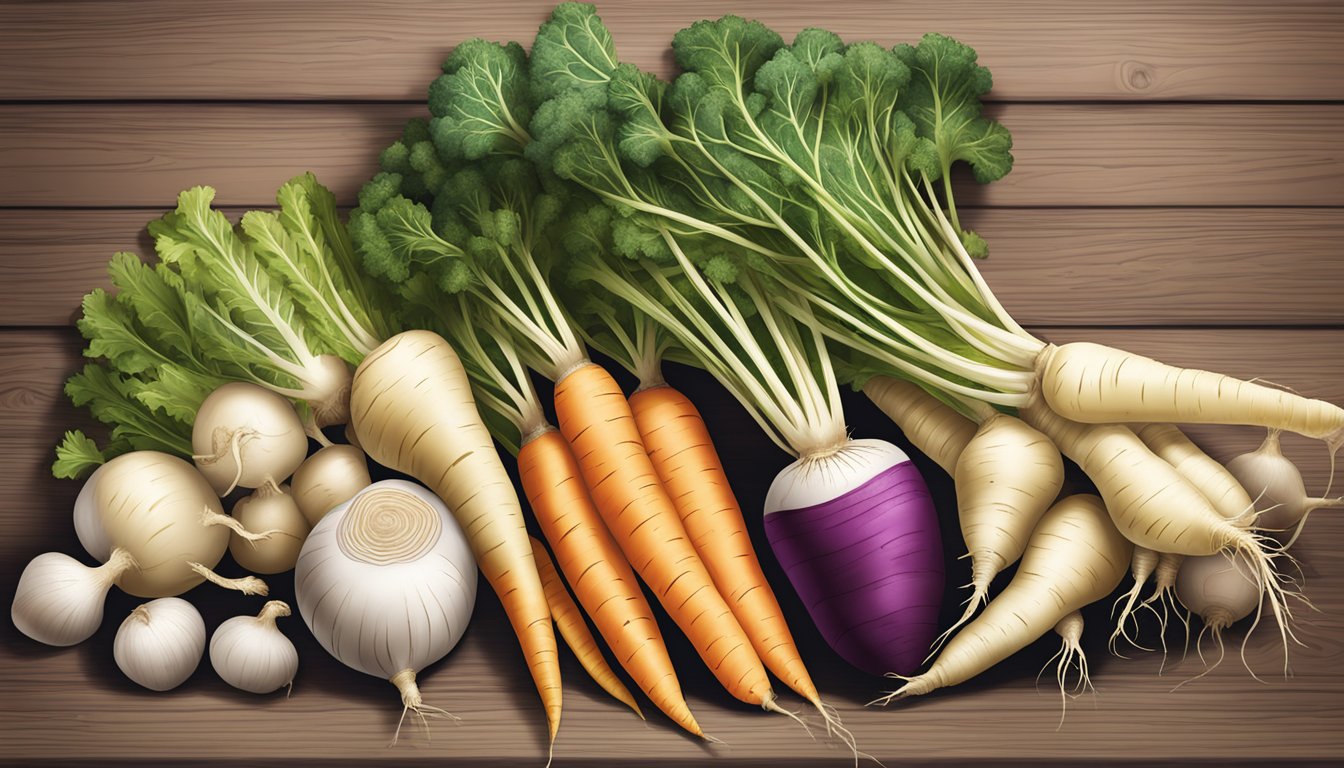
(868, 561)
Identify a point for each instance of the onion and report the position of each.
(160, 644)
(386, 582)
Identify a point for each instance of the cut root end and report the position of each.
(411, 701)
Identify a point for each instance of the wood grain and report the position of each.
(73, 703)
(1087, 266)
(1177, 181)
(1067, 154)
(386, 49)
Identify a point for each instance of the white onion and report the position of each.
(387, 582)
(161, 643)
(252, 654)
(1276, 486)
(59, 600)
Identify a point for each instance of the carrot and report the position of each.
(574, 630)
(596, 420)
(1075, 557)
(598, 572)
(413, 411)
(688, 465)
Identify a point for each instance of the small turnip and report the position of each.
(246, 436)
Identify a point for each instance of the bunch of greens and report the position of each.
(277, 301)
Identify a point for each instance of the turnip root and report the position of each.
(161, 512)
(329, 477)
(59, 600)
(1074, 558)
(1276, 485)
(271, 510)
(245, 436)
(856, 533)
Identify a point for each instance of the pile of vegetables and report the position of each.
(780, 215)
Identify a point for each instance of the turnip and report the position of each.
(246, 436)
(856, 532)
(1221, 590)
(162, 513)
(329, 477)
(1277, 488)
(251, 654)
(160, 644)
(274, 511)
(1074, 558)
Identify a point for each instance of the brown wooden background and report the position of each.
(1177, 191)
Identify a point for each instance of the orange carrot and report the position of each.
(596, 420)
(598, 572)
(575, 630)
(688, 465)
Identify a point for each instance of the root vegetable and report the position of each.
(59, 600)
(569, 620)
(1152, 504)
(245, 436)
(160, 644)
(251, 654)
(856, 533)
(1221, 589)
(273, 511)
(1095, 384)
(414, 412)
(165, 515)
(1006, 478)
(327, 478)
(386, 582)
(1276, 486)
(1075, 557)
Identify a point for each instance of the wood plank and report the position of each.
(1067, 155)
(380, 49)
(1088, 266)
(336, 715)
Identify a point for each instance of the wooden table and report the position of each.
(1177, 191)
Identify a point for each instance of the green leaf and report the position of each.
(481, 104)
(76, 456)
(573, 49)
(113, 400)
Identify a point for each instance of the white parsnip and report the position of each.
(1075, 557)
(1096, 384)
(1152, 504)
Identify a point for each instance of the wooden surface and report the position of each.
(1177, 192)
